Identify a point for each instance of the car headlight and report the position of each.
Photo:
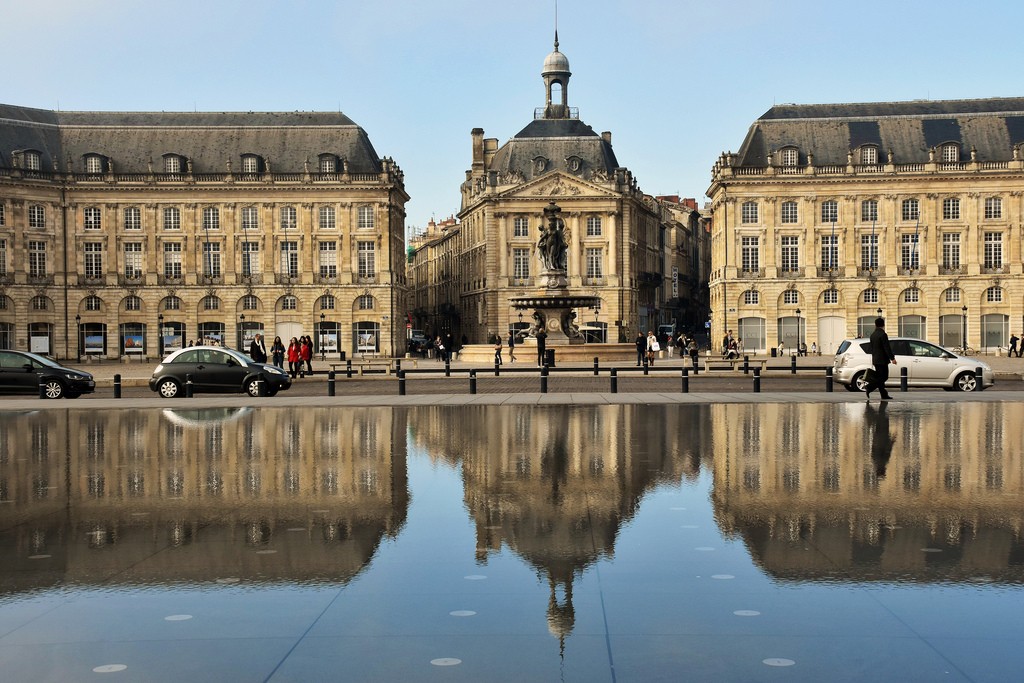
(74, 376)
(273, 370)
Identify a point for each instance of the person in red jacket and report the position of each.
(306, 350)
(294, 357)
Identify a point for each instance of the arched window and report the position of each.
(868, 155)
(172, 163)
(250, 302)
(172, 303)
(994, 295)
(911, 295)
(751, 297)
(950, 153)
(93, 303)
(132, 303)
(40, 303)
(951, 295)
(33, 160)
(289, 303)
(250, 163)
(365, 303)
(870, 296)
(327, 302)
(328, 163)
(211, 303)
(93, 164)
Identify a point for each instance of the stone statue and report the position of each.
(552, 246)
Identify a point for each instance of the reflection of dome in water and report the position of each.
(561, 617)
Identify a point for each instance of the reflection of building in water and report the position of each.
(555, 483)
(203, 488)
(823, 491)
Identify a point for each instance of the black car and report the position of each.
(216, 369)
(22, 373)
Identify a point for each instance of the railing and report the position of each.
(750, 273)
(366, 279)
(285, 279)
(953, 166)
(40, 279)
(910, 168)
(205, 279)
(869, 168)
(251, 279)
(170, 279)
(126, 280)
(867, 272)
(828, 272)
(146, 178)
(520, 282)
(994, 165)
(92, 279)
(324, 279)
(789, 170)
(829, 170)
(909, 272)
(6, 278)
(791, 272)
(951, 270)
(746, 170)
(995, 270)
(593, 281)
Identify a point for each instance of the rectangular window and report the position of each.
(36, 216)
(869, 210)
(172, 164)
(830, 252)
(93, 218)
(290, 259)
(250, 218)
(790, 254)
(521, 263)
(93, 165)
(132, 218)
(789, 157)
(593, 226)
(289, 218)
(521, 227)
(3, 258)
(911, 210)
(993, 207)
(327, 218)
(211, 259)
(328, 259)
(365, 220)
(172, 260)
(789, 212)
(250, 164)
(910, 256)
(829, 211)
(250, 258)
(869, 155)
(211, 218)
(595, 263)
(172, 218)
(133, 260)
(3, 214)
(37, 259)
(951, 250)
(327, 164)
(869, 252)
(750, 254)
(951, 209)
(749, 212)
(367, 259)
(993, 250)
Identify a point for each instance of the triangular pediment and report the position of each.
(555, 185)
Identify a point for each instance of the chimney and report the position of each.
(607, 136)
(478, 150)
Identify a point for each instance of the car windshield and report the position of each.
(43, 360)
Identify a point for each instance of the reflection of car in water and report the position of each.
(22, 373)
(927, 364)
(205, 416)
(216, 369)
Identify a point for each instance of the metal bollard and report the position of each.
(544, 380)
(696, 368)
(646, 364)
(330, 383)
(117, 386)
(497, 371)
(398, 365)
(979, 377)
(447, 367)
(685, 382)
(614, 375)
(188, 385)
(792, 364)
(42, 389)
(348, 369)
(472, 381)
(828, 380)
(596, 367)
(903, 379)
(401, 382)
(746, 365)
(302, 373)
(757, 380)
(261, 387)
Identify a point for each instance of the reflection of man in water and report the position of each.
(881, 438)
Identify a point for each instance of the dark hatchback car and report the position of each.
(22, 372)
(216, 369)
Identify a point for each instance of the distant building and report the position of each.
(621, 248)
(131, 233)
(831, 215)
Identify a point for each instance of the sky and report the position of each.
(676, 82)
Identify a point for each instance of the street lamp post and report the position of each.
(160, 334)
(323, 351)
(78, 337)
(241, 331)
(798, 331)
(963, 336)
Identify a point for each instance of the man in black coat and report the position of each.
(641, 348)
(881, 357)
(257, 350)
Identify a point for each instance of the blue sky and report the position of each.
(676, 82)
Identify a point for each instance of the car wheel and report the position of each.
(859, 383)
(850, 387)
(168, 388)
(53, 389)
(966, 381)
(252, 387)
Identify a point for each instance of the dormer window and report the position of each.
(539, 164)
(950, 153)
(33, 160)
(869, 155)
(250, 163)
(172, 163)
(328, 163)
(789, 156)
(574, 164)
(93, 164)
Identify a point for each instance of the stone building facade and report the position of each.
(127, 234)
(831, 215)
(618, 247)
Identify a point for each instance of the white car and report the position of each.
(927, 364)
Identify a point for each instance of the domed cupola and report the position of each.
(556, 83)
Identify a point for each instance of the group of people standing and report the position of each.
(299, 352)
(648, 348)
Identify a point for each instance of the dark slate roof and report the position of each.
(909, 129)
(557, 140)
(131, 139)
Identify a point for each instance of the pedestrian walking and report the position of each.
(542, 338)
(512, 347)
(497, 349)
(881, 357)
(1013, 346)
(641, 348)
(652, 347)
